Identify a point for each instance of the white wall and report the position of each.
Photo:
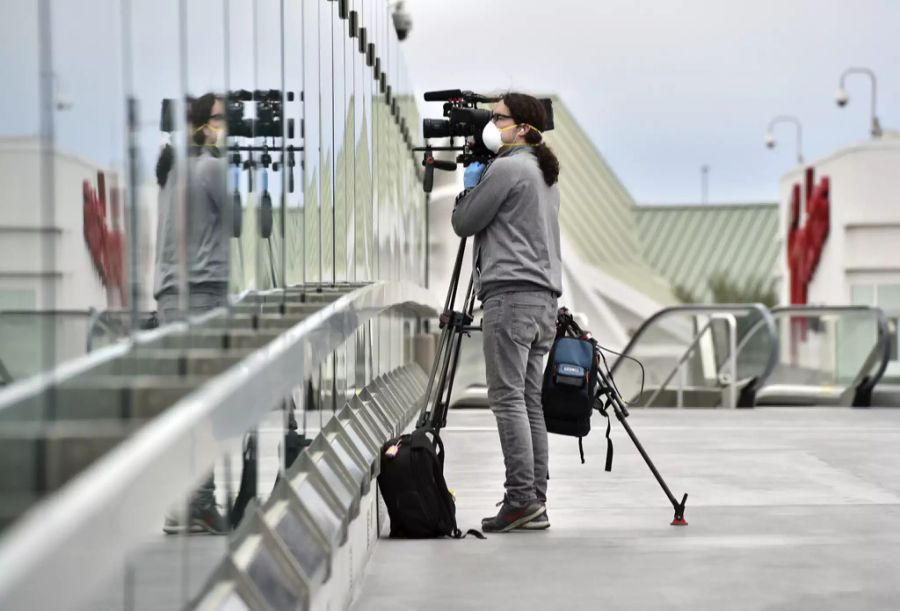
(27, 230)
(863, 244)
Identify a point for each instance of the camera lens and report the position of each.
(435, 128)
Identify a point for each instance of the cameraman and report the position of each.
(512, 209)
(207, 247)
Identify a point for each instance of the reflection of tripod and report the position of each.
(454, 324)
(614, 400)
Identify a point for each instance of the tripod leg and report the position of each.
(446, 358)
(457, 348)
(436, 373)
(619, 409)
(438, 414)
(442, 344)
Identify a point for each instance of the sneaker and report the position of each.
(203, 521)
(512, 516)
(542, 522)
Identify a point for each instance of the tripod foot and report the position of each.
(679, 513)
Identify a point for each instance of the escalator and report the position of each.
(699, 356)
(787, 356)
(829, 356)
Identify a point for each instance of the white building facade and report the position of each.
(857, 261)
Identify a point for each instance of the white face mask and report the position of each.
(220, 138)
(491, 137)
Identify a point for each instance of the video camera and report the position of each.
(268, 121)
(266, 124)
(463, 118)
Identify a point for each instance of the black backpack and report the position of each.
(571, 391)
(413, 487)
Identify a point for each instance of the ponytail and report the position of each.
(164, 165)
(548, 163)
(528, 110)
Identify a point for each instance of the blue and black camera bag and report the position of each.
(569, 391)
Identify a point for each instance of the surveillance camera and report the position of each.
(402, 22)
(770, 141)
(841, 98)
(63, 103)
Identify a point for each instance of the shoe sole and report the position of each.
(523, 520)
(531, 526)
(196, 528)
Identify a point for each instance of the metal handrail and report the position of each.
(102, 319)
(96, 320)
(107, 511)
(732, 331)
(882, 344)
(765, 316)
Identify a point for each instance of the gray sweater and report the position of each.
(514, 217)
(208, 227)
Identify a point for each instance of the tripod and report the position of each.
(454, 324)
(614, 400)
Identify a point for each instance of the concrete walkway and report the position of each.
(788, 509)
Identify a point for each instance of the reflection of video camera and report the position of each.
(267, 122)
(463, 119)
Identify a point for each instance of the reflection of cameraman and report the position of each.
(206, 237)
(206, 200)
(512, 210)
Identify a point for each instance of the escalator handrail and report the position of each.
(882, 344)
(681, 360)
(765, 315)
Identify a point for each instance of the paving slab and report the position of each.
(789, 508)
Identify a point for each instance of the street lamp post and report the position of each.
(704, 183)
(843, 97)
(770, 136)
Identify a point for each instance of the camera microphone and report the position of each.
(443, 95)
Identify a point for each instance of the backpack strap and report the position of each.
(458, 534)
(438, 445)
(581, 449)
(609, 444)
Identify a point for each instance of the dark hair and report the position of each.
(527, 109)
(199, 112)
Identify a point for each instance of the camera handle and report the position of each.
(431, 163)
(454, 324)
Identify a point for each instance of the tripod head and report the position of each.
(566, 325)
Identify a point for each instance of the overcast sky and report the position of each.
(663, 87)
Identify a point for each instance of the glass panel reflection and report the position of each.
(168, 122)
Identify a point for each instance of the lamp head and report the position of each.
(842, 97)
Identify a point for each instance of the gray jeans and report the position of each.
(518, 331)
(200, 300)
